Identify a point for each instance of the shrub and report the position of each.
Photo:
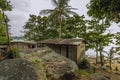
(37, 60)
(13, 53)
(84, 64)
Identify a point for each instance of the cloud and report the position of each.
(21, 5)
(19, 15)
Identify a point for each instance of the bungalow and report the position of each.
(70, 48)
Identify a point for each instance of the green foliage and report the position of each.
(107, 9)
(4, 34)
(13, 53)
(98, 37)
(39, 28)
(110, 55)
(84, 64)
(117, 37)
(3, 38)
(37, 60)
(83, 72)
(57, 15)
(5, 5)
(75, 27)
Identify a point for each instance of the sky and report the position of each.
(22, 8)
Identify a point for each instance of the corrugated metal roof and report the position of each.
(62, 41)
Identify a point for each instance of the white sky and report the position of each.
(22, 8)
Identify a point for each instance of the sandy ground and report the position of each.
(114, 65)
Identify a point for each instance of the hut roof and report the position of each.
(3, 46)
(25, 42)
(62, 41)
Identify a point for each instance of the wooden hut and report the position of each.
(70, 48)
(23, 45)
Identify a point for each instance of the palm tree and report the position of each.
(61, 11)
(117, 37)
(110, 56)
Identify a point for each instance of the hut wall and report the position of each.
(58, 49)
(20, 46)
(72, 53)
(63, 51)
(52, 47)
(80, 51)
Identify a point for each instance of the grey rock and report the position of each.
(18, 69)
(40, 64)
(98, 76)
(56, 65)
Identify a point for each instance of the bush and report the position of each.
(84, 64)
(13, 53)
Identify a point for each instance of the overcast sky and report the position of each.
(22, 8)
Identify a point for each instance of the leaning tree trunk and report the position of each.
(7, 32)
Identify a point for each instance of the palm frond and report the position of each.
(54, 2)
(71, 12)
(72, 8)
(46, 11)
(63, 2)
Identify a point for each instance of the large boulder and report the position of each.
(20, 69)
(56, 65)
(42, 64)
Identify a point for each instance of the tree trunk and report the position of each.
(7, 32)
(110, 63)
(96, 57)
(60, 28)
(101, 57)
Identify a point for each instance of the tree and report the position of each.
(5, 6)
(117, 37)
(98, 39)
(107, 9)
(75, 27)
(39, 28)
(32, 31)
(62, 10)
(3, 38)
(110, 55)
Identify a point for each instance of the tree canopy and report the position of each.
(62, 10)
(4, 6)
(107, 9)
(117, 37)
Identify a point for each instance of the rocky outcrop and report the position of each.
(20, 69)
(42, 64)
(57, 66)
(98, 76)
